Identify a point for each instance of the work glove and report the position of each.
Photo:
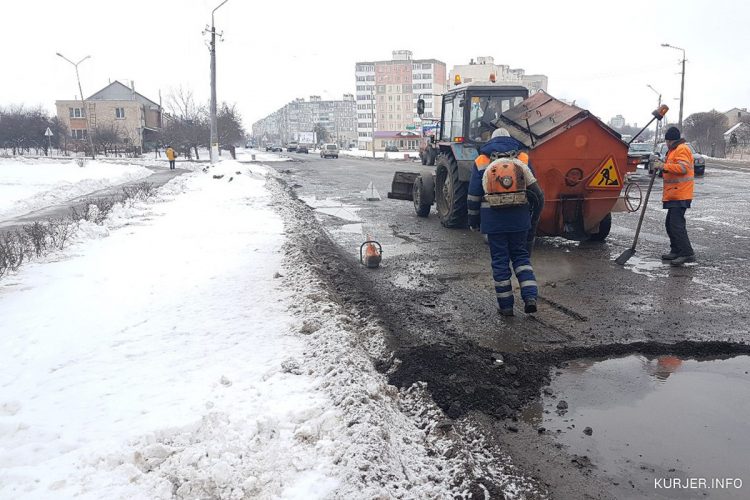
(657, 166)
(474, 228)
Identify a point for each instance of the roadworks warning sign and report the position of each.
(606, 177)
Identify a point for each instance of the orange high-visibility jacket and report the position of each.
(678, 174)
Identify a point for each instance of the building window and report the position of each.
(76, 112)
(120, 113)
(78, 134)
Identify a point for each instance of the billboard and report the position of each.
(307, 138)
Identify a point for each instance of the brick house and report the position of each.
(135, 118)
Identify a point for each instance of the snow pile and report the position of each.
(27, 185)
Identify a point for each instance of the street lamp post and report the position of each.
(656, 133)
(214, 146)
(372, 119)
(83, 102)
(682, 84)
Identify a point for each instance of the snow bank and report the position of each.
(361, 153)
(260, 156)
(27, 185)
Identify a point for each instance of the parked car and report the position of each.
(276, 148)
(292, 146)
(642, 152)
(391, 149)
(329, 150)
(269, 147)
(302, 149)
(699, 161)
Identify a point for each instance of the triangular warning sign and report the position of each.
(606, 177)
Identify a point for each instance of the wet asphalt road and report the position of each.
(434, 291)
(586, 298)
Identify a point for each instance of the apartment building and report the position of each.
(299, 118)
(386, 96)
(118, 108)
(481, 68)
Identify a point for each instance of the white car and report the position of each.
(329, 150)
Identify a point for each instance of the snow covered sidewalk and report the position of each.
(30, 184)
(172, 328)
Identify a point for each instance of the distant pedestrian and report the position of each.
(678, 195)
(498, 207)
(171, 155)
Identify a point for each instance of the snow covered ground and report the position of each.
(247, 155)
(165, 354)
(30, 184)
(361, 153)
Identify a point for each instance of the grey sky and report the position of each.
(599, 53)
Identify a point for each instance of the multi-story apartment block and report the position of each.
(117, 107)
(296, 120)
(387, 93)
(617, 122)
(481, 69)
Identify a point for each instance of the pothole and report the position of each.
(665, 425)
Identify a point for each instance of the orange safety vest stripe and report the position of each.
(523, 157)
(678, 174)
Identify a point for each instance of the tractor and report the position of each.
(579, 161)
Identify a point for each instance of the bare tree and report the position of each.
(706, 131)
(229, 124)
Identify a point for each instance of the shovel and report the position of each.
(625, 256)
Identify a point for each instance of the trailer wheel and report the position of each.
(450, 193)
(423, 194)
(604, 227)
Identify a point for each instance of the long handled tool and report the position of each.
(625, 256)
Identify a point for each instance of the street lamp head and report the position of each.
(665, 45)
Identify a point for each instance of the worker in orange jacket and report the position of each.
(678, 195)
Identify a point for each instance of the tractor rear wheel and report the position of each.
(450, 193)
(604, 227)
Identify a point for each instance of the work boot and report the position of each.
(679, 261)
(506, 312)
(668, 256)
(530, 306)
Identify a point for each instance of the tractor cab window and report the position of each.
(453, 118)
(484, 111)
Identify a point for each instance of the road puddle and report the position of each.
(646, 422)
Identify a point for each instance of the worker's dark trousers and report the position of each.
(171, 164)
(679, 243)
(507, 249)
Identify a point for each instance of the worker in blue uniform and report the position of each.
(506, 224)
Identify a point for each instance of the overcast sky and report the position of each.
(600, 54)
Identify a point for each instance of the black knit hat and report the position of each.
(673, 134)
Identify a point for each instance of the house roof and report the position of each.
(737, 109)
(117, 91)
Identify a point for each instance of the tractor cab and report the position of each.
(469, 113)
(467, 117)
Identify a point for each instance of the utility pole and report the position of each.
(372, 119)
(682, 84)
(656, 133)
(83, 103)
(214, 146)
